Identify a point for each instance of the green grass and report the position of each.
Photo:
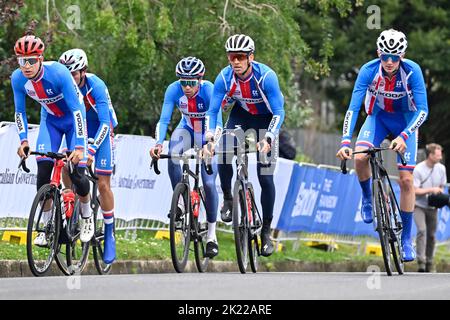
(143, 246)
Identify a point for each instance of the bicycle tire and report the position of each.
(240, 227)
(201, 261)
(252, 235)
(380, 212)
(396, 246)
(45, 193)
(179, 262)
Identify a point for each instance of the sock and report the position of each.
(211, 232)
(407, 218)
(366, 187)
(46, 216)
(85, 209)
(108, 216)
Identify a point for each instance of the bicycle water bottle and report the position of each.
(69, 203)
(195, 200)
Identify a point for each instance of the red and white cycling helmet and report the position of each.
(29, 45)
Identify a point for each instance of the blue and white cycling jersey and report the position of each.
(193, 110)
(100, 115)
(405, 93)
(258, 94)
(62, 107)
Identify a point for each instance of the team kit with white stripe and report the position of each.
(396, 106)
(62, 112)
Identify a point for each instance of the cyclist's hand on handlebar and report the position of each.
(20, 150)
(156, 151)
(263, 146)
(345, 153)
(90, 160)
(398, 145)
(208, 150)
(76, 156)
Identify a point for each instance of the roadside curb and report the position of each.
(19, 268)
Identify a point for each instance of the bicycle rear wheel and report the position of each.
(180, 227)
(240, 226)
(40, 257)
(380, 198)
(253, 233)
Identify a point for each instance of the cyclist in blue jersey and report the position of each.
(253, 89)
(62, 113)
(395, 98)
(191, 95)
(101, 120)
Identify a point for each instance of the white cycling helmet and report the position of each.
(190, 67)
(74, 59)
(392, 42)
(240, 43)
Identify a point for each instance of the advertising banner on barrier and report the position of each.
(138, 191)
(17, 188)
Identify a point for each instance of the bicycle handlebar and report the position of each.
(370, 151)
(154, 163)
(52, 155)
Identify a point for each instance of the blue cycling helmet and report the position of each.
(190, 67)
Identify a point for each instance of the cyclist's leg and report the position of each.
(372, 133)
(48, 140)
(407, 193)
(265, 173)
(103, 170)
(82, 186)
(180, 141)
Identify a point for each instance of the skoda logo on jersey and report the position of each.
(79, 123)
(102, 135)
(392, 95)
(19, 123)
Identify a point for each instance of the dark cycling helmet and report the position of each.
(29, 45)
(190, 67)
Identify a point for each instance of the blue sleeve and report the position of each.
(275, 99)
(99, 93)
(74, 100)
(351, 116)
(216, 103)
(166, 113)
(419, 92)
(20, 115)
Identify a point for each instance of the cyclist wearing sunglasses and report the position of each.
(101, 120)
(191, 95)
(253, 89)
(62, 113)
(396, 104)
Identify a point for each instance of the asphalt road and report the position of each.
(231, 286)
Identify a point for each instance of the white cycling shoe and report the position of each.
(87, 229)
(40, 240)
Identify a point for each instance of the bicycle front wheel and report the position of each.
(46, 223)
(201, 230)
(77, 251)
(380, 199)
(253, 233)
(180, 227)
(240, 226)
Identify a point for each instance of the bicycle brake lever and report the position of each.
(154, 165)
(402, 158)
(344, 164)
(23, 159)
